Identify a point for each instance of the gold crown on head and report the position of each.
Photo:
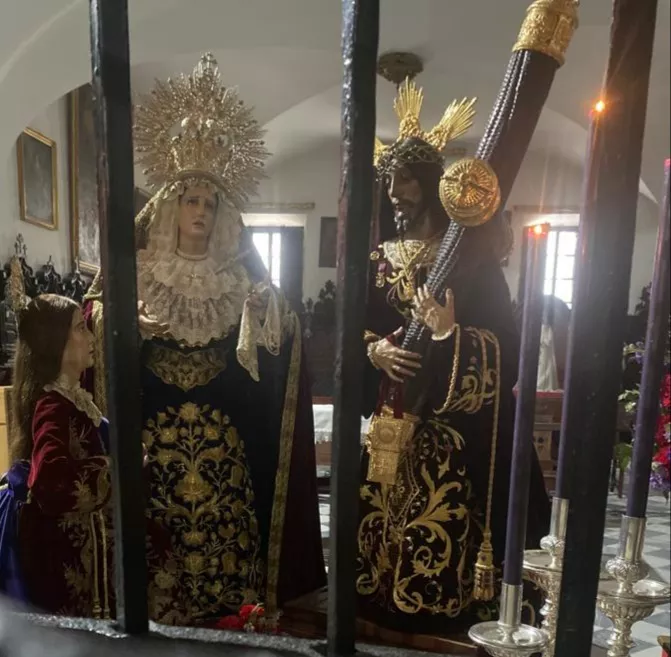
(414, 144)
(194, 125)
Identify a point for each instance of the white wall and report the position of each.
(543, 181)
(313, 177)
(310, 178)
(41, 243)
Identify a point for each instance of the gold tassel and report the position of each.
(485, 572)
(483, 587)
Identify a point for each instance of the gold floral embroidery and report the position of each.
(418, 540)
(202, 493)
(85, 501)
(84, 527)
(420, 534)
(77, 440)
(477, 384)
(97, 470)
(79, 572)
(408, 259)
(185, 370)
(87, 532)
(420, 252)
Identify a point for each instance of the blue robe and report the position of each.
(13, 495)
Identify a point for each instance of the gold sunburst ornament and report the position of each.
(469, 191)
(194, 126)
(415, 144)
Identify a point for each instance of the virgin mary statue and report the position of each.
(226, 404)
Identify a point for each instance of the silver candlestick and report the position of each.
(538, 569)
(553, 544)
(629, 597)
(544, 568)
(507, 637)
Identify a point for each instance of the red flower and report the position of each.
(663, 456)
(250, 618)
(250, 613)
(666, 393)
(661, 436)
(230, 623)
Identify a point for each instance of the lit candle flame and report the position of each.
(599, 106)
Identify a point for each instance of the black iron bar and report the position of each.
(111, 86)
(597, 331)
(360, 31)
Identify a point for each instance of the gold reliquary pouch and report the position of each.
(389, 434)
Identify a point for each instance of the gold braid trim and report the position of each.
(97, 609)
(99, 388)
(283, 470)
(485, 371)
(106, 593)
(483, 587)
(455, 369)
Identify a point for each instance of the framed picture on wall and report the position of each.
(38, 179)
(84, 213)
(328, 242)
(84, 231)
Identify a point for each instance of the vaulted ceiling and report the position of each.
(284, 55)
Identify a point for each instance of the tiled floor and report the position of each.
(656, 552)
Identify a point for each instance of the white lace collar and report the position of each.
(197, 299)
(82, 399)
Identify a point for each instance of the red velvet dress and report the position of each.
(64, 532)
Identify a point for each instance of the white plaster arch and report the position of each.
(465, 43)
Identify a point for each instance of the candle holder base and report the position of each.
(507, 637)
(628, 599)
(624, 609)
(501, 640)
(545, 571)
(628, 566)
(542, 570)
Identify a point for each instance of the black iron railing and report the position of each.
(600, 308)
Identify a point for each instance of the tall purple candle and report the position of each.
(653, 367)
(518, 501)
(568, 433)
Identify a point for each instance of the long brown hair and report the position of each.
(44, 329)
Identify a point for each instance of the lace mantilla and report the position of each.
(198, 300)
(82, 399)
(266, 322)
